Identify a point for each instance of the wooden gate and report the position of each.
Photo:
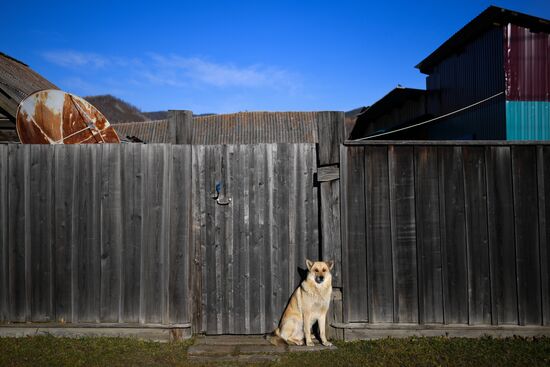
(255, 215)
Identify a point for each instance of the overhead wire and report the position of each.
(428, 121)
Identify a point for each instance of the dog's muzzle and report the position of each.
(319, 279)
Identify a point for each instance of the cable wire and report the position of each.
(428, 121)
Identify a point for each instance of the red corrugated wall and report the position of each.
(527, 64)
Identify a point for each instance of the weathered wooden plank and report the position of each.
(524, 177)
(180, 221)
(4, 261)
(475, 197)
(165, 249)
(281, 214)
(65, 219)
(41, 231)
(501, 233)
(297, 213)
(543, 174)
(330, 228)
(403, 234)
(453, 235)
(428, 235)
(209, 262)
(133, 191)
(255, 239)
(18, 228)
(229, 188)
(154, 239)
(259, 240)
(223, 291)
(379, 246)
(86, 252)
(111, 233)
(199, 239)
(312, 199)
(218, 228)
(354, 254)
(328, 173)
(330, 133)
(271, 312)
(277, 269)
(244, 235)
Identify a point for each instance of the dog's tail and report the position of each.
(275, 338)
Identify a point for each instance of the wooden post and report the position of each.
(180, 124)
(331, 134)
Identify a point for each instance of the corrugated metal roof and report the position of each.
(235, 128)
(17, 81)
(491, 17)
(147, 131)
(527, 120)
(400, 106)
(527, 64)
(256, 127)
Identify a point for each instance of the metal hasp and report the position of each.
(223, 200)
(55, 117)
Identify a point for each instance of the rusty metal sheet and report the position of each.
(527, 61)
(55, 117)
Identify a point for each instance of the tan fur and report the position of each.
(308, 304)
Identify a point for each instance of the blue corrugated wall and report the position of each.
(527, 120)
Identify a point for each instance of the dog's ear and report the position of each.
(330, 264)
(309, 264)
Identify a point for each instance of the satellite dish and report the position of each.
(54, 117)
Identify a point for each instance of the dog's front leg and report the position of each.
(322, 323)
(307, 329)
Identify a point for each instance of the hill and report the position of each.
(117, 110)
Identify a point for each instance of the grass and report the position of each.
(51, 351)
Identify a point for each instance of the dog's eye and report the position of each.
(316, 270)
(324, 270)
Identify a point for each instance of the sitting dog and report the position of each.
(309, 303)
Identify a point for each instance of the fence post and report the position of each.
(180, 126)
(331, 134)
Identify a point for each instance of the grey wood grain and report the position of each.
(428, 235)
(379, 245)
(154, 235)
(543, 174)
(133, 191)
(65, 218)
(354, 255)
(501, 233)
(41, 231)
(524, 177)
(86, 253)
(475, 192)
(180, 222)
(18, 242)
(330, 132)
(4, 261)
(453, 235)
(111, 233)
(403, 234)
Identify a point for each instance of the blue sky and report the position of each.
(228, 56)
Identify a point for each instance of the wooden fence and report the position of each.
(95, 234)
(451, 233)
(134, 234)
(448, 233)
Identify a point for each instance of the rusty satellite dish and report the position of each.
(54, 117)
